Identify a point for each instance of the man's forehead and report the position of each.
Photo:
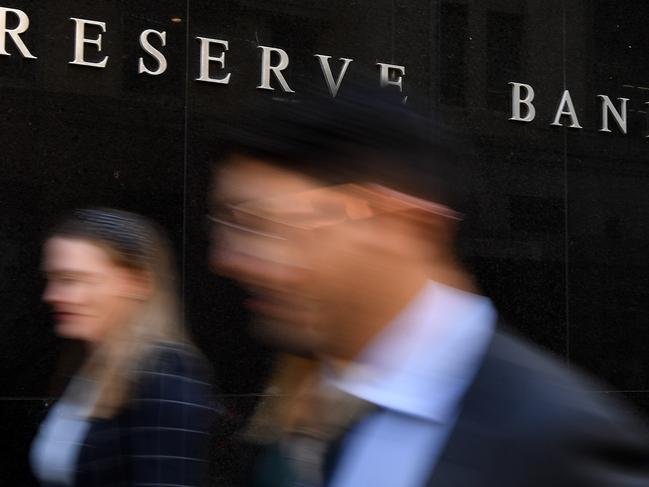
(244, 178)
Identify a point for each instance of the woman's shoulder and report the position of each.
(170, 369)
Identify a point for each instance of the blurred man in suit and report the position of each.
(340, 217)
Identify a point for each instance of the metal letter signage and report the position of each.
(386, 74)
(333, 86)
(523, 95)
(517, 101)
(266, 68)
(157, 55)
(23, 25)
(273, 64)
(566, 102)
(80, 40)
(620, 118)
(206, 59)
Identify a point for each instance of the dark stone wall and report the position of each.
(559, 236)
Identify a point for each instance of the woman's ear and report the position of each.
(136, 284)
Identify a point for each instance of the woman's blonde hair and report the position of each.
(136, 244)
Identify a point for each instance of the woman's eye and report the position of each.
(65, 279)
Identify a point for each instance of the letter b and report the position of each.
(517, 102)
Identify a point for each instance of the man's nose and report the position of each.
(252, 269)
(230, 262)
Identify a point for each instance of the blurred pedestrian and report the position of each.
(139, 410)
(340, 218)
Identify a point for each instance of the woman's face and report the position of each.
(90, 295)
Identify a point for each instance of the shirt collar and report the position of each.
(424, 361)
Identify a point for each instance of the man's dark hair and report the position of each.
(365, 134)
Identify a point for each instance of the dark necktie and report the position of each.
(326, 414)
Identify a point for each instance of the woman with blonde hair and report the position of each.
(139, 409)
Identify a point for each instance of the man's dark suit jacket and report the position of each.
(528, 421)
(161, 437)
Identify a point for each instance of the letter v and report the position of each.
(329, 78)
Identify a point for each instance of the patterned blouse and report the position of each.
(160, 439)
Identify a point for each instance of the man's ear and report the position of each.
(391, 236)
(431, 226)
(439, 232)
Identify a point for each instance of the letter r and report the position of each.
(23, 25)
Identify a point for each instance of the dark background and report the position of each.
(560, 240)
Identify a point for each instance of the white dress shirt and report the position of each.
(416, 371)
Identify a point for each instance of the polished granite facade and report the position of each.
(559, 236)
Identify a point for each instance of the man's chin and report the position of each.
(284, 336)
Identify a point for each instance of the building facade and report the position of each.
(122, 104)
